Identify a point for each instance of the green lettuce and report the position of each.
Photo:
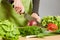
(8, 31)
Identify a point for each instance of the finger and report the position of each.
(22, 10)
(34, 15)
(16, 8)
(19, 11)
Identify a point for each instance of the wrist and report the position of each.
(17, 0)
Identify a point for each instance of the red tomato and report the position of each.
(52, 27)
(32, 23)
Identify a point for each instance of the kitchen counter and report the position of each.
(56, 37)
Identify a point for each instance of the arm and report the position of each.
(36, 6)
(17, 0)
(35, 10)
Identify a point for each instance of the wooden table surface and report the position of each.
(56, 37)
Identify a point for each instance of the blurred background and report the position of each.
(49, 7)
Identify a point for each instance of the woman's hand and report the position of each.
(34, 15)
(18, 6)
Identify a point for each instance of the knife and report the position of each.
(28, 17)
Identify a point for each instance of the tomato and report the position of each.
(52, 27)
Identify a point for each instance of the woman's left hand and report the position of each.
(34, 15)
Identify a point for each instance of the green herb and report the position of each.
(30, 30)
(42, 35)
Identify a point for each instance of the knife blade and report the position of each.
(28, 17)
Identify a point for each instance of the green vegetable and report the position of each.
(8, 31)
(44, 23)
(41, 35)
(38, 31)
(57, 31)
(50, 19)
(59, 25)
(58, 18)
(30, 30)
(44, 34)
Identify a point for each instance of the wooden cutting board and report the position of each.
(56, 37)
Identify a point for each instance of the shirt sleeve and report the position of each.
(35, 6)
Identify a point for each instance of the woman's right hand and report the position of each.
(18, 6)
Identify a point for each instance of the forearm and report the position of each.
(14, 0)
(17, 0)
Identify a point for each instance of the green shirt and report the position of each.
(8, 13)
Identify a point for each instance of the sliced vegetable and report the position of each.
(32, 23)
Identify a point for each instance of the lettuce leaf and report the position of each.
(8, 30)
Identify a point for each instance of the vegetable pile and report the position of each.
(51, 21)
(50, 25)
(34, 30)
(30, 30)
(8, 31)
